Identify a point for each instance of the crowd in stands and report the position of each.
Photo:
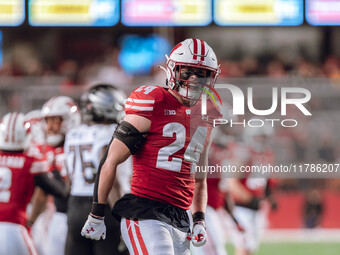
(25, 61)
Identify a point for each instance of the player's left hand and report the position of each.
(199, 234)
(94, 228)
(273, 203)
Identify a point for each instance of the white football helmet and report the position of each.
(13, 132)
(193, 53)
(102, 103)
(66, 108)
(35, 126)
(257, 137)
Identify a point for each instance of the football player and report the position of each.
(251, 189)
(102, 107)
(35, 125)
(19, 173)
(60, 114)
(164, 131)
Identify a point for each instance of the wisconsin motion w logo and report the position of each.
(239, 102)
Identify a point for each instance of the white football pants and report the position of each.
(254, 223)
(153, 237)
(15, 240)
(57, 233)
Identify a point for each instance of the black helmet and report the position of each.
(102, 103)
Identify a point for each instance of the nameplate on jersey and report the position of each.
(12, 161)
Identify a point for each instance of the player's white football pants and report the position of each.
(253, 223)
(215, 235)
(15, 240)
(153, 237)
(57, 233)
(39, 230)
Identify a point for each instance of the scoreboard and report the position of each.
(12, 12)
(166, 12)
(73, 13)
(258, 12)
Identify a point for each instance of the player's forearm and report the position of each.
(229, 203)
(53, 184)
(116, 154)
(200, 198)
(39, 201)
(106, 180)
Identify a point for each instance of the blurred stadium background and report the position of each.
(56, 47)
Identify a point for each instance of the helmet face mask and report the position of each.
(192, 57)
(55, 136)
(190, 81)
(64, 108)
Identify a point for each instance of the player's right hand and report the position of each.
(94, 228)
(199, 234)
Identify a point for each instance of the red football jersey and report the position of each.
(218, 156)
(17, 184)
(54, 156)
(164, 168)
(257, 185)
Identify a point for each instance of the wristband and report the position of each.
(254, 203)
(29, 223)
(198, 216)
(98, 209)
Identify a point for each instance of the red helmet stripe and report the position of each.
(175, 48)
(202, 50)
(13, 126)
(8, 127)
(195, 48)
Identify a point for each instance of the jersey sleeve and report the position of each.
(38, 166)
(142, 101)
(35, 152)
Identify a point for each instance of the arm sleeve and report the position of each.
(51, 183)
(102, 161)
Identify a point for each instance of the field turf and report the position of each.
(295, 249)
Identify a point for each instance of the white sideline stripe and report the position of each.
(301, 235)
(141, 101)
(141, 108)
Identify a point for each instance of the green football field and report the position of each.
(295, 249)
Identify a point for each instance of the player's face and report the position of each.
(194, 76)
(53, 124)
